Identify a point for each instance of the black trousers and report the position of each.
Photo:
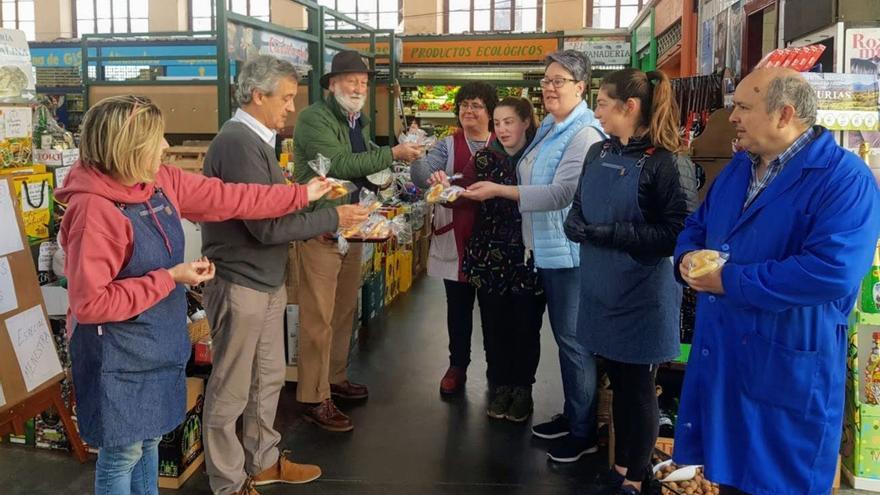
(512, 336)
(636, 416)
(460, 298)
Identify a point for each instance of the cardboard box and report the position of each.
(861, 432)
(291, 324)
(181, 448)
(405, 270)
(373, 296)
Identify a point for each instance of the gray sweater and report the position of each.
(253, 253)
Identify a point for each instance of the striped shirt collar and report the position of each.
(353, 119)
(266, 134)
(757, 186)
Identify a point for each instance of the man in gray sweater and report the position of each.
(246, 301)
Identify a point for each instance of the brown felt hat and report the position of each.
(344, 62)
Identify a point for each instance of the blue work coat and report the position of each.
(762, 403)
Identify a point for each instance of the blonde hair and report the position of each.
(122, 137)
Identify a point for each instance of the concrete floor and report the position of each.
(406, 439)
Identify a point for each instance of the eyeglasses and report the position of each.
(471, 106)
(557, 82)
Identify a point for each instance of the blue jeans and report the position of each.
(128, 469)
(562, 287)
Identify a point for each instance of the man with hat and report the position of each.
(328, 279)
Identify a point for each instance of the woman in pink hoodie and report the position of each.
(124, 245)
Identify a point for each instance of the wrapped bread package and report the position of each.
(440, 194)
(706, 261)
(338, 188)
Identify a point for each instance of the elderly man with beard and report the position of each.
(328, 279)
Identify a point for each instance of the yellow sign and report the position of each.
(485, 50)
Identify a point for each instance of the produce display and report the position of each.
(684, 480)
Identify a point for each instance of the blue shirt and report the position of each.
(757, 186)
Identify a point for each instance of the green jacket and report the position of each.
(323, 128)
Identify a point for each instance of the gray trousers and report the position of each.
(247, 330)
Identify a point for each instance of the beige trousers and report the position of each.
(327, 296)
(247, 330)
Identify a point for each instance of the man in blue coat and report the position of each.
(762, 404)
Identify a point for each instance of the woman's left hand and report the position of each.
(481, 191)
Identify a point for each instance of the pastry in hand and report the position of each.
(433, 194)
(704, 262)
(337, 190)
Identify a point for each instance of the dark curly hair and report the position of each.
(483, 91)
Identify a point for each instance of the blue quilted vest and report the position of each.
(552, 248)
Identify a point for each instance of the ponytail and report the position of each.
(664, 113)
(659, 111)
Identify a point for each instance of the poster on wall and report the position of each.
(719, 60)
(706, 47)
(244, 42)
(17, 80)
(847, 102)
(734, 47)
(862, 56)
(863, 51)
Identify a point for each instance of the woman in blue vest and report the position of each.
(547, 178)
(633, 198)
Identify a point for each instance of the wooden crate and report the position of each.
(189, 158)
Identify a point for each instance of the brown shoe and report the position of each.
(348, 390)
(248, 488)
(289, 472)
(325, 415)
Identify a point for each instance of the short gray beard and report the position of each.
(348, 104)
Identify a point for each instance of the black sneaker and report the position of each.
(607, 482)
(502, 397)
(521, 405)
(571, 448)
(557, 427)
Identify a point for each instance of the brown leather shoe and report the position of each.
(289, 472)
(348, 390)
(325, 415)
(453, 380)
(248, 488)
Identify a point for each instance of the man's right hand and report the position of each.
(351, 216)
(406, 152)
